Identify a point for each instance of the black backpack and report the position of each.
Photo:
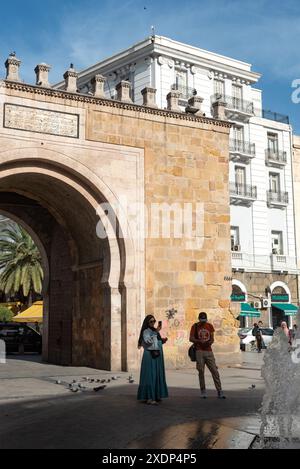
(192, 349)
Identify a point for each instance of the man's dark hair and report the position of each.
(202, 316)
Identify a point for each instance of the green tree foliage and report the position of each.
(6, 314)
(20, 263)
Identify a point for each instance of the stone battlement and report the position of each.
(43, 88)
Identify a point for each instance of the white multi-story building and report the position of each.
(261, 188)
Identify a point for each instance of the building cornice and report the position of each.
(85, 99)
(171, 49)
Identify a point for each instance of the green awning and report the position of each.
(287, 308)
(249, 311)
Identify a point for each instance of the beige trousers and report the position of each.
(207, 358)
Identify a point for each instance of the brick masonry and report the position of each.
(152, 155)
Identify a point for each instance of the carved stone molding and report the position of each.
(76, 97)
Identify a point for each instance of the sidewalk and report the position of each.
(38, 413)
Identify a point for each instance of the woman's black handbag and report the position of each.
(154, 353)
(192, 349)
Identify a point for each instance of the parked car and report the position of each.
(20, 338)
(248, 341)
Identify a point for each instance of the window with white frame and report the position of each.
(240, 176)
(235, 238)
(219, 87)
(238, 133)
(237, 92)
(272, 143)
(274, 182)
(181, 79)
(277, 245)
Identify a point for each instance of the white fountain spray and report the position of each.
(281, 372)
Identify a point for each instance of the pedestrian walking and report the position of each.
(153, 386)
(202, 335)
(294, 331)
(287, 332)
(256, 332)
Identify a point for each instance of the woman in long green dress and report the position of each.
(153, 386)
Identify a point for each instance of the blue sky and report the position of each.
(263, 32)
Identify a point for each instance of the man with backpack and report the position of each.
(202, 336)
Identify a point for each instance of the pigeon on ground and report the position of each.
(99, 388)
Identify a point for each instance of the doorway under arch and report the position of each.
(85, 298)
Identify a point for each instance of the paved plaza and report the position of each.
(38, 413)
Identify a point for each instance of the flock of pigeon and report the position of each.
(101, 384)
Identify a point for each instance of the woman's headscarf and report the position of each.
(285, 329)
(144, 327)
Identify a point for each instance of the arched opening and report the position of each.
(280, 295)
(84, 292)
(239, 296)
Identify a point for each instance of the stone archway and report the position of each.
(86, 298)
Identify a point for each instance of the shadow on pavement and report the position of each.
(114, 419)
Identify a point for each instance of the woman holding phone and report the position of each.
(153, 386)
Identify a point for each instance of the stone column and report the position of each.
(98, 86)
(12, 65)
(71, 77)
(219, 109)
(172, 100)
(42, 72)
(194, 106)
(149, 97)
(123, 91)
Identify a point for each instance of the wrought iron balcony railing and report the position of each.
(185, 91)
(277, 198)
(236, 104)
(241, 146)
(278, 156)
(243, 190)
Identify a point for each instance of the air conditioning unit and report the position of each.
(266, 303)
(237, 247)
(274, 251)
(257, 304)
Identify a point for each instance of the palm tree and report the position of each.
(20, 263)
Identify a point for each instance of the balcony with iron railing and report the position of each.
(275, 158)
(185, 91)
(236, 108)
(241, 151)
(277, 199)
(242, 194)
